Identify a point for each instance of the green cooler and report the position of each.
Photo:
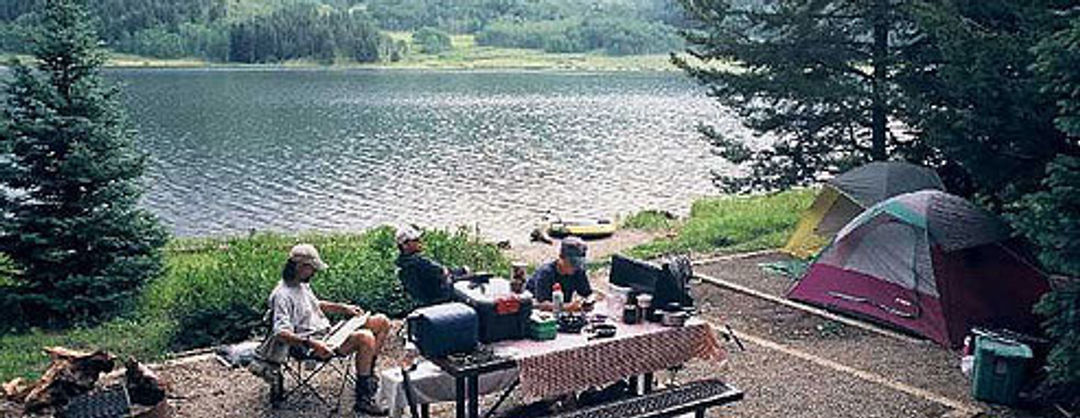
(543, 326)
(999, 370)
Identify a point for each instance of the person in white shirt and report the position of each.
(300, 324)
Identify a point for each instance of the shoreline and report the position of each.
(508, 60)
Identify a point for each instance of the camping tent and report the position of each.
(928, 262)
(848, 194)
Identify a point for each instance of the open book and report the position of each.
(342, 330)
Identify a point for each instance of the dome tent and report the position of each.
(928, 262)
(845, 196)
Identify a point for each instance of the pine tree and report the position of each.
(974, 98)
(814, 75)
(1051, 217)
(70, 178)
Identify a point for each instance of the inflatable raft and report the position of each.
(584, 228)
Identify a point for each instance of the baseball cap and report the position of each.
(406, 234)
(573, 250)
(307, 254)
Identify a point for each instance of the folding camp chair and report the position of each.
(294, 379)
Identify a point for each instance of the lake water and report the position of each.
(330, 150)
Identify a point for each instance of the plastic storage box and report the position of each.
(503, 315)
(543, 326)
(999, 370)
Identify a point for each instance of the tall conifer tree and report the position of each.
(815, 75)
(70, 180)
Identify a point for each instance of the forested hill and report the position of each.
(331, 30)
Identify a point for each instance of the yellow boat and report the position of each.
(584, 228)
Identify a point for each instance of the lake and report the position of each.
(330, 150)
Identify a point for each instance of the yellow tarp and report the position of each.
(805, 243)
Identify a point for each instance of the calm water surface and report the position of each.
(297, 150)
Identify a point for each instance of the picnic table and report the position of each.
(574, 362)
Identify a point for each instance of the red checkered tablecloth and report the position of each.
(572, 363)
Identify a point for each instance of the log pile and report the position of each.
(143, 385)
(73, 373)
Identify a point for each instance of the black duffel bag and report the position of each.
(440, 330)
(669, 282)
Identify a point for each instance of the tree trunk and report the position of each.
(879, 56)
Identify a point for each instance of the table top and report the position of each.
(573, 362)
(520, 349)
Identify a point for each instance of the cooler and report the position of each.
(999, 370)
(503, 315)
(443, 329)
(542, 326)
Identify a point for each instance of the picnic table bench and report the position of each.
(694, 397)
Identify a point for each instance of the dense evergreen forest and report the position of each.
(253, 31)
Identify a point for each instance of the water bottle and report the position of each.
(557, 298)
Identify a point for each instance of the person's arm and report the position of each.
(584, 290)
(583, 287)
(283, 330)
(541, 290)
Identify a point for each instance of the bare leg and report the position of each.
(363, 344)
(380, 326)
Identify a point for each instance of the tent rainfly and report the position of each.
(928, 262)
(845, 196)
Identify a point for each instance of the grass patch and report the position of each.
(730, 224)
(215, 290)
(146, 339)
(651, 220)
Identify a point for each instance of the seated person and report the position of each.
(300, 324)
(425, 280)
(569, 272)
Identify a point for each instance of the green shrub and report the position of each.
(228, 282)
(734, 223)
(432, 41)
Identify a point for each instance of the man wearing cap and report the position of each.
(299, 324)
(569, 272)
(425, 280)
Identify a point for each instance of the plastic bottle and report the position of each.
(557, 298)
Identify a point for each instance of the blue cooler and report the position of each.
(440, 330)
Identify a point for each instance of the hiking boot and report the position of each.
(365, 398)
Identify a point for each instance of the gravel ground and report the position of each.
(776, 383)
(921, 364)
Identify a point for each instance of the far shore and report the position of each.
(496, 59)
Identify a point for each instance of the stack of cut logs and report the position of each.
(74, 373)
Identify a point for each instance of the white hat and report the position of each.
(307, 254)
(406, 234)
